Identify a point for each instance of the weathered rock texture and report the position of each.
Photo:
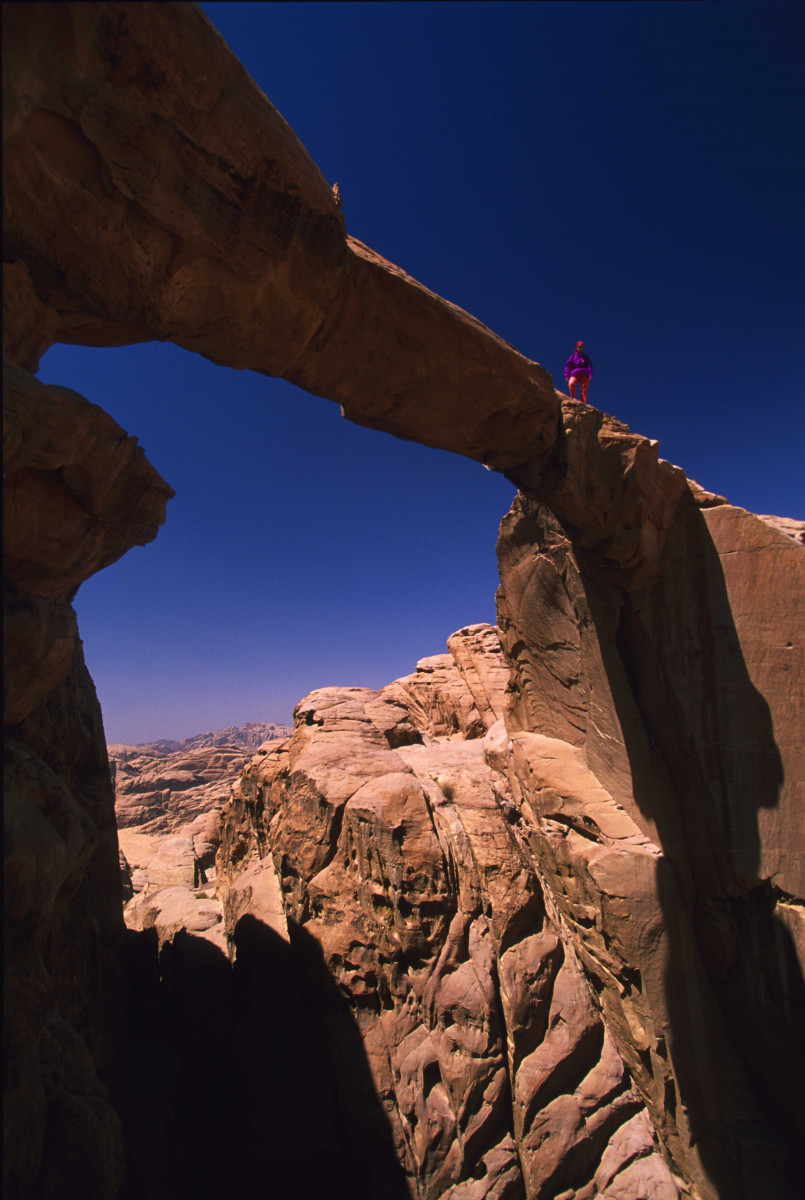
(591, 939)
(657, 749)
(162, 793)
(167, 808)
(392, 838)
(77, 494)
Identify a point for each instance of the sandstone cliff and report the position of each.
(78, 493)
(386, 830)
(604, 830)
(657, 740)
(587, 963)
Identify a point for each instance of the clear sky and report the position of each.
(630, 174)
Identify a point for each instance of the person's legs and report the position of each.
(582, 380)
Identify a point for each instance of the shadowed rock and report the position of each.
(78, 493)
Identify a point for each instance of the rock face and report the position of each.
(657, 741)
(167, 809)
(168, 801)
(161, 793)
(78, 493)
(559, 956)
(387, 829)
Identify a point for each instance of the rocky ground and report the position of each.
(168, 801)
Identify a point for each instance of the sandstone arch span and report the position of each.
(119, 128)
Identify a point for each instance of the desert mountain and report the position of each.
(247, 737)
(527, 922)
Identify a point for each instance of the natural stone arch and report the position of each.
(195, 216)
(232, 244)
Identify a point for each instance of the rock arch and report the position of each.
(152, 192)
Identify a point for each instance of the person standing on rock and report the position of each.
(579, 369)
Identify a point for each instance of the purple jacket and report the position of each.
(578, 364)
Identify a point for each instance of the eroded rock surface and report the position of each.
(78, 493)
(395, 842)
(657, 750)
(168, 814)
(161, 793)
(626, 838)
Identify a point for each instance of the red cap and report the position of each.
(579, 344)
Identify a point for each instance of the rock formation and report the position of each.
(385, 829)
(120, 128)
(78, 493)
(163, 793)
(656, 738)
(561, 955)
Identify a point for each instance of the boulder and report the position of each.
(170, 910)
(173, 865)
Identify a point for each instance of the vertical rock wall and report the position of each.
(657, 745)
(78, 493)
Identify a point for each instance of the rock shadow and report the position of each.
(704, 762)
(247, 1075)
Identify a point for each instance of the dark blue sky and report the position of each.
(630, 174)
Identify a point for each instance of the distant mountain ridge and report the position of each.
(247, 737)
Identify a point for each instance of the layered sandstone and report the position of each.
(168, 815)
